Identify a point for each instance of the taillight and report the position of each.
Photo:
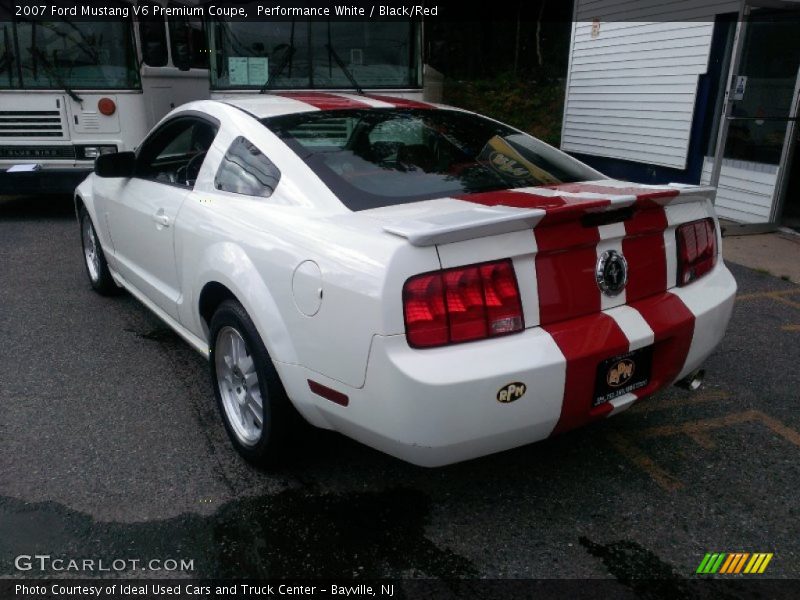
(697, 250)
(462, 304)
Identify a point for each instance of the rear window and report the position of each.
(380, 157)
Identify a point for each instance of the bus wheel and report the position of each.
(93, 258)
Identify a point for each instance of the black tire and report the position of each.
(94, 259)
(278, 416)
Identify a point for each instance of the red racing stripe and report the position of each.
(324, 101)
(585, 342)
(558, 208)
(643, 248)
(567, 251)
(515, 199)
(566, 279)
(673, 325)
(400, 102)
(642, 194)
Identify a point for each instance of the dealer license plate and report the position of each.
(622, 375)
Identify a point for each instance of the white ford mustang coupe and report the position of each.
(430, 282)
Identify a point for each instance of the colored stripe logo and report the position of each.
(732, 563)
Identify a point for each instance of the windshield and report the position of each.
(381, 157)
(302, 54)
(58, 54)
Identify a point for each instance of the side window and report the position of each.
(175, 153)
(153, 38)
(245, 170)
(180, 145)
(187, 40)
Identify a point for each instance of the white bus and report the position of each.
(71, 90)
(303, 55)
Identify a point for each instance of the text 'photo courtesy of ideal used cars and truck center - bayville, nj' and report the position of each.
(322, 300)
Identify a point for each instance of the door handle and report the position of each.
(161, 219)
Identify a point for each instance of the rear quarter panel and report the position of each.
(253, 246)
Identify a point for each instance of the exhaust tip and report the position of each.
(693, 381)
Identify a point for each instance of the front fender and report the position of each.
(85, 194)
(228, 264)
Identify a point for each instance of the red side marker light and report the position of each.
(106, 106)
(328, 393)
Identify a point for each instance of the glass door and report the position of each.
(758, 131)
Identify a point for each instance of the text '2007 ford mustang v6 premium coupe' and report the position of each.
(433, 283)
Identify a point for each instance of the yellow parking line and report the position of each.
(702, 426)
(645, 463)
(786, 301)
(777, 427)
(698, 431)
(699, 426)
(791, 327)
(702, 439)
(652, 404)
(767, 294)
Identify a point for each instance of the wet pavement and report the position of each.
(112, 448)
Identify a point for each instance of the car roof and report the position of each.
(284, 103)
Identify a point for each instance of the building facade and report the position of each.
(646, 98)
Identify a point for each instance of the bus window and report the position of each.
(303, 54)
(153, 38)
(59, 54)
(187, 40)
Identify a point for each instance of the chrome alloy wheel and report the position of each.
(238, 386)
(91, 249)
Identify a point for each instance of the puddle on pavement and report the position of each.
(290, 534)
(638, 568)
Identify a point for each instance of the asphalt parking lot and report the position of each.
(111, 447)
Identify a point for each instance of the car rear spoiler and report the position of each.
(483, 221)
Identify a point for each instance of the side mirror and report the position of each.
(118, 164)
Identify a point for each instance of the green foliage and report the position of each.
(535, 107)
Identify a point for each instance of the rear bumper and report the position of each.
(439, 406)
(56, 180)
